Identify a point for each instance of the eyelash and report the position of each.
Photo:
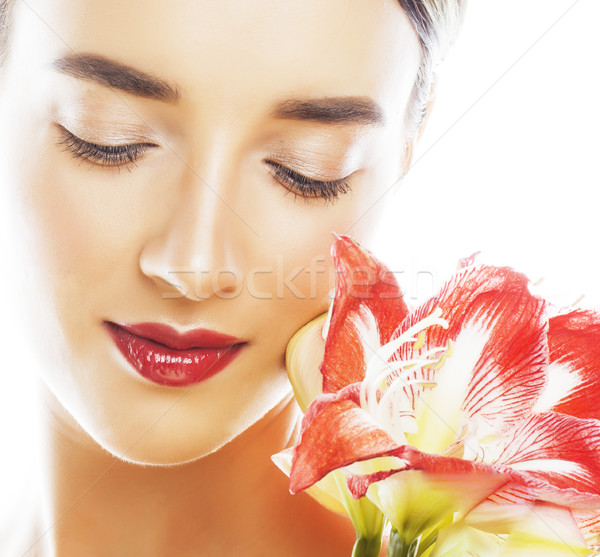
(105, 155)
(306, 187)
(126, 155)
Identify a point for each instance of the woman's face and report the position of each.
(191, 213)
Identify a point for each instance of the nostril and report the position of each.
(227, 282)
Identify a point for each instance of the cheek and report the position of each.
(70, 235)
(294, 235)
(82, 227)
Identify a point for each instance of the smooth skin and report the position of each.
(198, 232)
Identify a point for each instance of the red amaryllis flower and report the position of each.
(458, 417)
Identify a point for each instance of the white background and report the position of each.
(509, 161)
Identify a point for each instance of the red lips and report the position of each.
(163, 355)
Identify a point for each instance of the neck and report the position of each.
(234, 501)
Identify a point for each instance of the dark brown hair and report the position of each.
(437, 23)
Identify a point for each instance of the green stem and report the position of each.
(366, 547)
(398, 547)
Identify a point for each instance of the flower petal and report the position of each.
(493, 530)
(367, 307)
(546, 531)
(499, 332)
(589, 525)
(551, 457)
(574, 372)
(416, 501)
(458, 540)
(335, 432)
(325, 492)
(558, 454)
(303, 358)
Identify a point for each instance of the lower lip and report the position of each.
(170, 366)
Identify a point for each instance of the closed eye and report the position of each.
(308, 187)
(123, 155)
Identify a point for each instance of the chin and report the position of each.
(171, 438)
(144, 436)
(162, 455)
(162, 448)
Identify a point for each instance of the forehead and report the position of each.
(235, 48)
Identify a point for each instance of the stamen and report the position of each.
(420, 341)
(389, 408)
(449, 351)
(385, 352)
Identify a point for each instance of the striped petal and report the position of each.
(551, 457)
(589, 525)
(558, 457)
(541, 466)
(367, 307)
(497, 370)
(337, 432)
(574, 371)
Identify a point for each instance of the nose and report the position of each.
(194, 253)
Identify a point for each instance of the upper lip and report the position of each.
(168, 336)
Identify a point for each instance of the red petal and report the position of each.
(366, 293)
(558, 454)
(574, 341)
(335, 432)
(504, 339)
(550, 457)
(589, 524)
(358, 485)
(456, 468)
(578, 488)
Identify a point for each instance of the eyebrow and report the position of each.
(116, 75)
(332, 110)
